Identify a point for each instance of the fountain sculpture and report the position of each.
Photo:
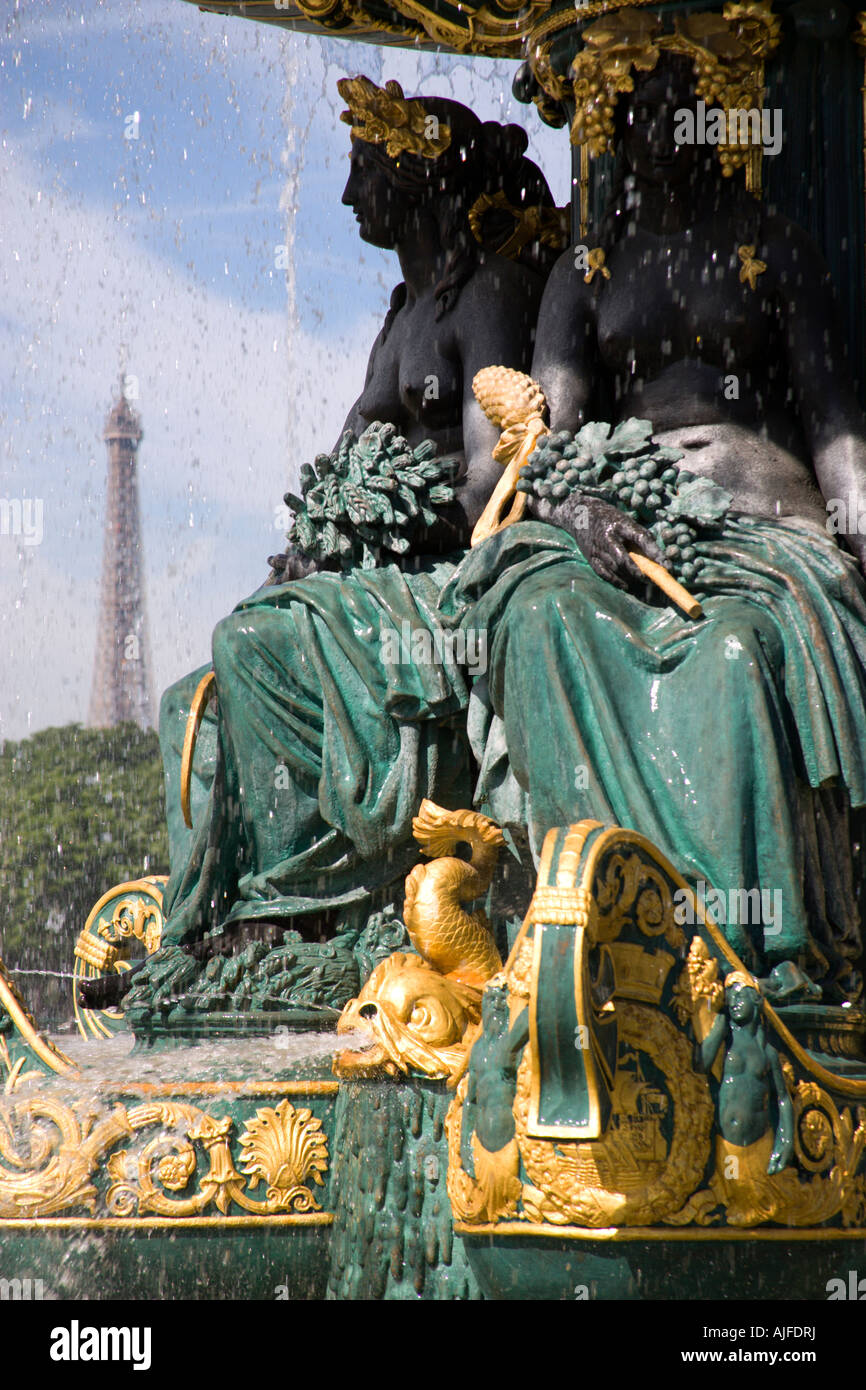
(516, 826)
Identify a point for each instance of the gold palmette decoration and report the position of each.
(514, 402)
(383, 116)
(727, 52)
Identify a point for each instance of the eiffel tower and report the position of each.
(121, 673)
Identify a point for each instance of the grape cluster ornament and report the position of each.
(627, 469)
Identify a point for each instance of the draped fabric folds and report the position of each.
(736, 743)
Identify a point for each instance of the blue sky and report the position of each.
(166, 243)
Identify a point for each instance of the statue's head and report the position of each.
(646, 122)
(494, 1005)
(414, 1018)
(742, 996)
(419, 158)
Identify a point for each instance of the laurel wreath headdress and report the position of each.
(383, 116)
(741, 977)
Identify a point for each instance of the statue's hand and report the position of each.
(605, 535)
(290, 566)
(782, 1151)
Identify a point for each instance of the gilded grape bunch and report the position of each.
(727, 52)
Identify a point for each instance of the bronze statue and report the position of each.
(324, 746)
(735, 742)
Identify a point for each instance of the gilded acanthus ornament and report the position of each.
(383, 116)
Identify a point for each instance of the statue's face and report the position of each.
(379, 208)
(650, 148)
(742, 1003)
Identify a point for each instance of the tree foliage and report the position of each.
(80, 810)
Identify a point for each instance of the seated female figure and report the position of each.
(736, 743)
(325, 745)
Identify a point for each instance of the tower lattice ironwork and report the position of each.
(121, 674)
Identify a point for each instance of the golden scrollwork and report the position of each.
(635, 889)
(826, 1138)
(632, 1175)
(51, 1154)
(104, 941)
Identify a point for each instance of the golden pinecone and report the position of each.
(507, 397)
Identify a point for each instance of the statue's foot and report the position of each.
(316, 927)
(106, 991)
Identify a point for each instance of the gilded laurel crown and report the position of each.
(727, 52)
(741, 977)
(383, 116)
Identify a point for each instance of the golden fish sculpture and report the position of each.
(424, 1015)
(458, 943)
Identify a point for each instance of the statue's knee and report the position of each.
(229, 638)
(745, 633)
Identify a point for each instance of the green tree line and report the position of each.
(80, 810)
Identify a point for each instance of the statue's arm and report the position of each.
(818, 370)
(566, 364)
(355, 421)
(783, 1147)
(565, 361)
(708, 1049)
(497, 313)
